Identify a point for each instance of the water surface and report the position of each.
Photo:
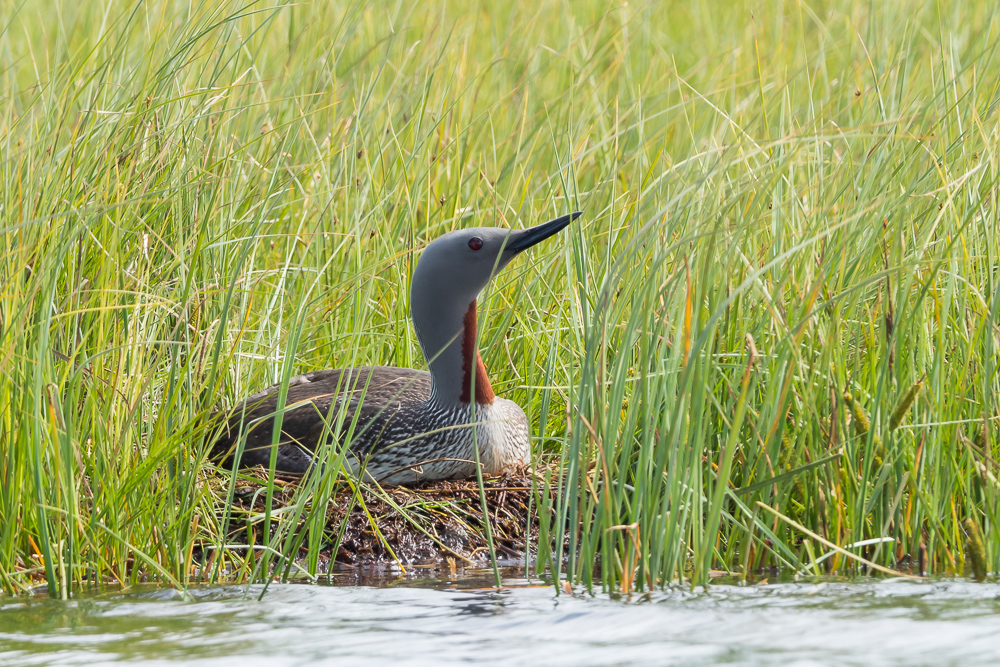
(441, 622)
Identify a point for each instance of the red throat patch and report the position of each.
(484, 392)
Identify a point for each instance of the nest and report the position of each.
(427, 523)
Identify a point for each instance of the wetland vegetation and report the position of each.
(772, 332)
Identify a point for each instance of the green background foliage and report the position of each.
(783, 203)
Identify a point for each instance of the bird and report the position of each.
(403, 425)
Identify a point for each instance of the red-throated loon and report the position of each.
(410, 425)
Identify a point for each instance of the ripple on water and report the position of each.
(876, 623)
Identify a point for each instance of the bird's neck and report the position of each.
(471, 359)
(448, 338)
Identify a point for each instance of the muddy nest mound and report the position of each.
(431, 522)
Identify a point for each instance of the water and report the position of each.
(435, 622)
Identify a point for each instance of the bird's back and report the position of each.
(387, 398)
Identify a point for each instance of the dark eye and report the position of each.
(475, 243)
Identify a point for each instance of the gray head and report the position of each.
(450, 274)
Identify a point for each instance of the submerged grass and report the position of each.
(790, 221)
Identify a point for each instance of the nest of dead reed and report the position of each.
(425, 523)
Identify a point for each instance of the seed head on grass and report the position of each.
(862, 424)
(904, 405)
(858, 415)
(976, 549)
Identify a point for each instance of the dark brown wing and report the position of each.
(312, 401)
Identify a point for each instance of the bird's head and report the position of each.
(458, 265)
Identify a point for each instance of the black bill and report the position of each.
(524, 239)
